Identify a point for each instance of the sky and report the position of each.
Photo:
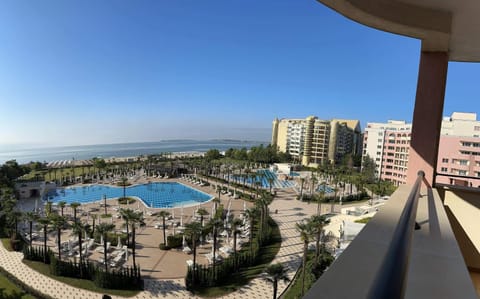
(111, 71)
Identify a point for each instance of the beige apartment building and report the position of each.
(313, 141)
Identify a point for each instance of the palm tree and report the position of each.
(318, 223)
(44, 222)
(105, 203)
(123, 182)
(58, 223)
(251, 214)
(94, 217)
(78, 229)
(62, 205)
(135, 218)
(216, 201)
(194, 229)
(314, 182)
(124, 214)
(74, 206)
(274, 273)
(270, 183)
(215, 223)
(234, 225)
(305, 232)
(103, 229)
(321, 198)
(30, 217)
(302, 181)
(164, 214)
(202, 212)
(48, 208)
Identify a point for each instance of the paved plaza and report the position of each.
(289, 212)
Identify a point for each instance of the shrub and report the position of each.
(126, 200)
(175, 241)
(164, 247)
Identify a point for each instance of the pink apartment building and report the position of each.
(459, 161)
(388, 144)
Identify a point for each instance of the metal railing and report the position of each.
(391, 278)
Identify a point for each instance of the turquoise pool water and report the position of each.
(153, 195)
(327, 189)
(263, 177)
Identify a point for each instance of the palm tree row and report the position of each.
(313, 227)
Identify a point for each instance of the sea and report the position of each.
(84, 152)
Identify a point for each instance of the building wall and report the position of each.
(386, 144)
(314, 141)
(459, 156)
(395, 156)
(459, 149)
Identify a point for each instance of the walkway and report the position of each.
(290, 211)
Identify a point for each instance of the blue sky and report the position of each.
(87, 72)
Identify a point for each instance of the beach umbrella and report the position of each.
(244, 206)
(70, 245)
(184, 242)
(119, 242)
(101, 239)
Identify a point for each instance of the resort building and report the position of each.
(424, 243)
(459, 150)
(388, 144)
(313, 141)
(458, 157)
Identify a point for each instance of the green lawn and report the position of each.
(6, 244)
(9, 290)
(78, 283)
(363, 220)
(241, 278)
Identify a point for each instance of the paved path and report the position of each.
(290, 211)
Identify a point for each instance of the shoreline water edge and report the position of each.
(121, 151)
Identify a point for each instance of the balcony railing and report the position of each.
(389, 258)
(390, 281)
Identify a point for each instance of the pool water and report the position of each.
(263, 177)
(324, 188)
(153, 195)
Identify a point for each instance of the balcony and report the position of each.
(436, 261)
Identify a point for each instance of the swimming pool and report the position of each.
(153, 195)
(263, 176)
(327, 189)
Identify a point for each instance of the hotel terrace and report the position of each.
(424, 243)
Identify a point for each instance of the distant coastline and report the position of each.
(82, 152)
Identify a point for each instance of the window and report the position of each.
(444, 160)
(444, 169)
(476, 128)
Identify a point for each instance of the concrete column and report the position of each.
(427, 116)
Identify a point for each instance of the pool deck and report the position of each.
(164, 271)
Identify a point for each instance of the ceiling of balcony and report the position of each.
(442, 25)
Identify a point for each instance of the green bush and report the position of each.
(126, 200)
(164, 247)
(123, 279)
(175, 241)
(206, 277)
